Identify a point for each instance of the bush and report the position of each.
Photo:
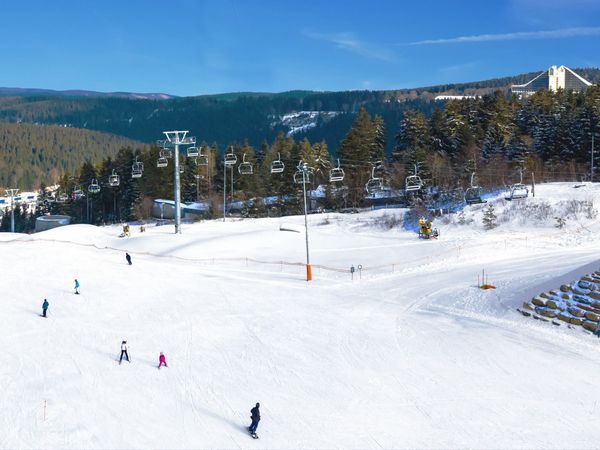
(389, 221)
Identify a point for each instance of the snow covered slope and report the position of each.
(411, 355)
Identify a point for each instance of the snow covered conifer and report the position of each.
(489, 218)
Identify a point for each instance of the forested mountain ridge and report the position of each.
(34, 154)
(233, 117)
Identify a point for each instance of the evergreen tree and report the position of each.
(489, 218)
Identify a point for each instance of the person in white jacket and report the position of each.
(124, 352)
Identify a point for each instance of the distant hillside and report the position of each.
(31, 154)
(233, 117)
(26, 92)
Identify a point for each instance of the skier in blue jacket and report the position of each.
(76, 286)
(45, 307)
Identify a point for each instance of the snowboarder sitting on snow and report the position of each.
(128, 258)
(255, 419)
(162, 361)
(76, 286)
(45, 307)
(124, 352)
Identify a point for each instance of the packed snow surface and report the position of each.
(408, 354)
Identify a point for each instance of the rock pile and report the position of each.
(575, 304)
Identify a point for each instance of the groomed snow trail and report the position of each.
(417, 358)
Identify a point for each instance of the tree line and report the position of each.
(495, 136)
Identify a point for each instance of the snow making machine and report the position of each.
(426, 231)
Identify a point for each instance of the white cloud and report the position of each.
(520, 35)
(350, 42)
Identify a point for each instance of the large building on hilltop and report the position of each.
(553, 79)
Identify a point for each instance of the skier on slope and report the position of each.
(76, 286)
(128, 258)
(162, 361)
(124, 352)
(45, 307)
(255, 419)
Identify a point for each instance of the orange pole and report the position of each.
(308, 273)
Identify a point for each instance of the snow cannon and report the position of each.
(426, 231)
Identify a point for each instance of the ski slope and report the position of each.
(415, 356)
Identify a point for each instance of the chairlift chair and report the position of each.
(337, 173)
(473, 193)
(162, 160)
(277, 166)
(473, 196)
(518, 191)
(94, 187)
(202, 159)
(137, 168)
(230, 158)
(245, 168)
(375, 183)
(78, 193)
(302, 177)
(413, 183)
(192, 151)
(113, 180)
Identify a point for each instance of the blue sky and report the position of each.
(187, 47)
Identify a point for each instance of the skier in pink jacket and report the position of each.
(162, 361)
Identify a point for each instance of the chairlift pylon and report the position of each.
(336, 173)
(245, 168)
(277, 166)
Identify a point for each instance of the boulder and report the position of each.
(545, 295)
(589, 325)
(546, 312)
(564, 317)
(594, 295)
(553, 304)
(579, 291)
(554, 292)
(592, 316)
(525, 313)
(582, 299)
(538, 301)
(575, 312)
(577, 321)
(528, 306)
(565, 288)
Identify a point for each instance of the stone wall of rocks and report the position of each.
(576, 304)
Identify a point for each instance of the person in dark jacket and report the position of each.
(255, 419)
(45, 307)
(128, 258)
